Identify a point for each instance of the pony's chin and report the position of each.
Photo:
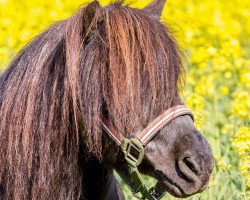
(174, 189)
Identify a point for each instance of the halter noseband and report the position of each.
(133, 150)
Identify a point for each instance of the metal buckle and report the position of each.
(134, 151)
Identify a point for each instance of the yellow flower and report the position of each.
(224, 90)
(241, 144)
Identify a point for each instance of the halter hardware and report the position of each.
(133, 150)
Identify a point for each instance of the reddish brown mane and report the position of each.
(115, 56)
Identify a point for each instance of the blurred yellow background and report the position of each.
(215, 39)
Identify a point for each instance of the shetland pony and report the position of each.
(113, 60)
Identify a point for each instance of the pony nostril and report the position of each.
(191, 164)
(188, 168)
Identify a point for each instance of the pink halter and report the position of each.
(146, 135)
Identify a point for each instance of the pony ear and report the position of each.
(155, 8)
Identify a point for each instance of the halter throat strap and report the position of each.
(133, 150)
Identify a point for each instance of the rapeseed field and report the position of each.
(215, 39)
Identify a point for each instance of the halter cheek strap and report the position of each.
(133, 150)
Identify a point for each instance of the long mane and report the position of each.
(112, 58)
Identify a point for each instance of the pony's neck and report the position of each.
(99, 181)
